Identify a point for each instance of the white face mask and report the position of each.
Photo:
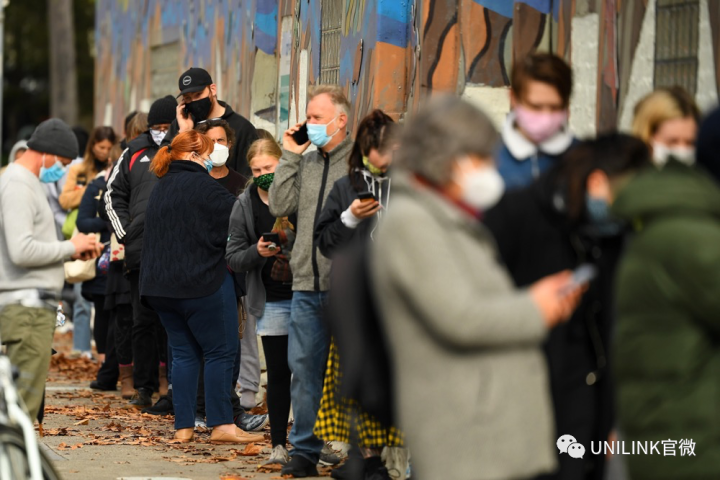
(158, 136)
(482, 187)
(219, 155)
(661, 154)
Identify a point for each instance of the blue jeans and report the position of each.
(308, 344)
(81, 320)
(198, 328)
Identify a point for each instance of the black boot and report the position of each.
(164, 405)
(375, 469)
(352, 469)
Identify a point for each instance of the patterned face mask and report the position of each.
(264, 181)
(372, 168)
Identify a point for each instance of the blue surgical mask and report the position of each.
(208, 164)
(52, 174)
(599, 214)
(317, 133)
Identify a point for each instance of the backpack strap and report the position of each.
(135, 157)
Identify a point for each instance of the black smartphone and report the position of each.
(185, 112)
(366, 196)
(271, 237)
(301, 136)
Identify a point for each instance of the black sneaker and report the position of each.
(251, 423)
(163, 406)
(375, 469)
(299, 467)
(141, 399)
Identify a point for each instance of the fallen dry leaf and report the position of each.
(251, 450)
(82, 422)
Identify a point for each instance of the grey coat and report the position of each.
(301, 182)
(471, 384)
(242, 254)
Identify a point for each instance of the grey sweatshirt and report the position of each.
(302, 184)
(30, 254)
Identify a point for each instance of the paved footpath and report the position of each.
(89, 435)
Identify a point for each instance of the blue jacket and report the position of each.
(520, 162)
(186, 231)
(89, 222)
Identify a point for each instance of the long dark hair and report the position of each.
(613, 153)
(376, 131)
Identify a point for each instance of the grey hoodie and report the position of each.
(301, 185)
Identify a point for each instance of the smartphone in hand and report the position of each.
(366, 197)
(301, 136)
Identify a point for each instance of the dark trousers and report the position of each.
(109, 371)
(122, 322)
(101, 326)
(234, 399)
(198, 328)
(148, 339)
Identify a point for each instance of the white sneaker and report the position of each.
(200, 424)
(397, 461)
(279, 455)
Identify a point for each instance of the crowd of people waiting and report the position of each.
(438, 288)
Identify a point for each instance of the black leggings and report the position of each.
(278, 386)
(102, 323)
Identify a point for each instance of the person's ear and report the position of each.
(213, 90)
(342, 120)
(598, 185)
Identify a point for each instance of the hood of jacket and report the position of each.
(676, 189)
(19, 145)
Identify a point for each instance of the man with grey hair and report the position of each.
(301, 185)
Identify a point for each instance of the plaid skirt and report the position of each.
(342, 420)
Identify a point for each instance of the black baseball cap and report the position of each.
(194, 80)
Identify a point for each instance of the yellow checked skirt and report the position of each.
(341, 420)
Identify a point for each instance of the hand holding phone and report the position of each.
(291, 144)
(269, 244)
(184, 119)
(301, 135)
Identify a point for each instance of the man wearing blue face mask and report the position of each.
(31, 256)
(301, 185)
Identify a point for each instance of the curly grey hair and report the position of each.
(444, 130)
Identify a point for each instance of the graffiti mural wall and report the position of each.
(389, 54)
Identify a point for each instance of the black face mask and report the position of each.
(199, 109)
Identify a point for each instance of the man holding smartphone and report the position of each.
(31, 256)
(302, 180)
(199, 103)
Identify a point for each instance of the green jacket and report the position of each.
(667, 348)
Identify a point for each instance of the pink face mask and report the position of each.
(539, 126)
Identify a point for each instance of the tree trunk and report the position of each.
(63, 67)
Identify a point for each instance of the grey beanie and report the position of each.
(54, 137)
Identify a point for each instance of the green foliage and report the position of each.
(26, 90)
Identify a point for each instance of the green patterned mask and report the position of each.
(372, 168)
(264, 181)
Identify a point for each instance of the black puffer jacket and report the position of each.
(535, 238)
(128, 191)
(330, 231)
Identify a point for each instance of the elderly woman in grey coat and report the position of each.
(462, 339)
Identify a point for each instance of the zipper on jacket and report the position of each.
(318, 211)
